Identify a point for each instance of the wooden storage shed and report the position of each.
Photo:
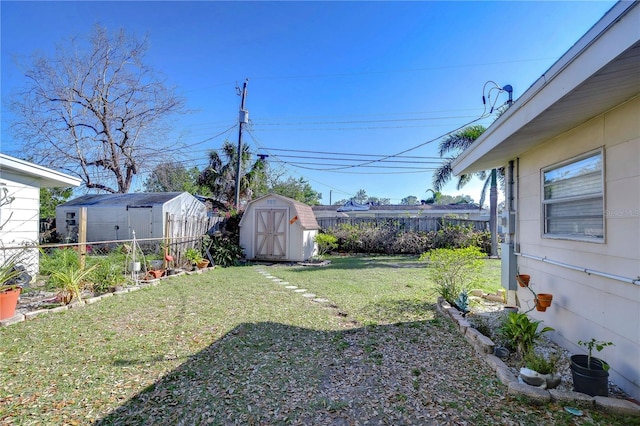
(274, 227)
(114, 216)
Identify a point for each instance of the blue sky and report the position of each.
(326, 79)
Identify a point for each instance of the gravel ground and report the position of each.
(491, 315)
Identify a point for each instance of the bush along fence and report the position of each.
(389, 237)
(402, 224)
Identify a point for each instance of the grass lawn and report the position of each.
(232, 347)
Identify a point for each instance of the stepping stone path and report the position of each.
(305, 293)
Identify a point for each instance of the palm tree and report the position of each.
(455, 144)
(220, 175)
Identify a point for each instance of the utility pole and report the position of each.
(243, 118)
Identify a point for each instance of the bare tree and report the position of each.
(95, 110)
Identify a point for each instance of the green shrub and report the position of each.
(453, 270)
(326, 243)
(539, 363)
(225, 252)
(410, 243)
(109, 272)
(58, 260)
(521, 333)
(386, 237)
(460, 236)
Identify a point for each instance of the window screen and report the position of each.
(573, 198)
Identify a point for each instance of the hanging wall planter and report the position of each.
(543, 301)
(523, 280)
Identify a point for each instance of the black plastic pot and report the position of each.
(591, 379)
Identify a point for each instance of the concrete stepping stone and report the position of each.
(291, 287)
(300, 290)
(309, 295)
(320, 300)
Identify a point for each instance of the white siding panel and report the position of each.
(19, 218)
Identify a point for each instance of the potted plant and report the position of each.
(590, 374)
(539, 370)
(12, 277)
(195, 258)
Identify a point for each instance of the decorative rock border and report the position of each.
(18, 317)
(485, 346)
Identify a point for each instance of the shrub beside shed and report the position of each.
(278, 228)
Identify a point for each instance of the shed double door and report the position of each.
(271, 233)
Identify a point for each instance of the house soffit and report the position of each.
(578, 96)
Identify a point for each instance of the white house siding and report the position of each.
(586, 306)
(19, 220)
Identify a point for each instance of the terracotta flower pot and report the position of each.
(155, 273)
(543, 301)
(8, 303)
(203, 264)
(523, 280)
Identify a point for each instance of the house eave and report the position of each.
(602, 66)
(43, 177)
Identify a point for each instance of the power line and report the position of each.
(348, 153)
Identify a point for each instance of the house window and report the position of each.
(573, 201)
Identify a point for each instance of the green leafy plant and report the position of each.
(326, 243)
(107, 273)
(225, 252)
(193, 255)
(540, 363)
(521, 332)
(12, 273)
(598, 346)
(70, 282)
(453, 270)
(59, 258)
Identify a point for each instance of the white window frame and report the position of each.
(547, 202)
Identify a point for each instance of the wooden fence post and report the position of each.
(82, 236)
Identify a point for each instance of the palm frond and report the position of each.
(442, 175)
